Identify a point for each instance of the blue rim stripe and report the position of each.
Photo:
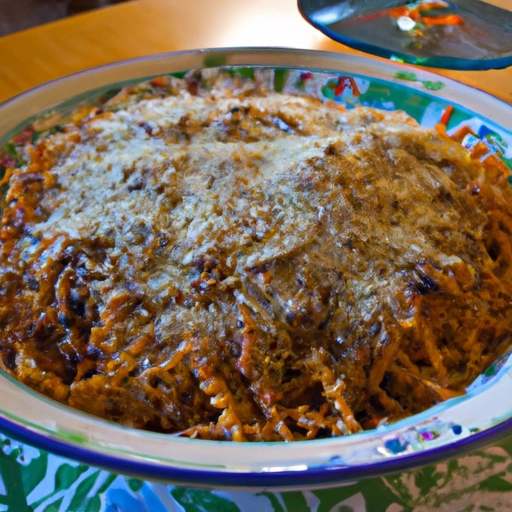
(308, 477)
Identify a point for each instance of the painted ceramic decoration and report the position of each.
(62, 473)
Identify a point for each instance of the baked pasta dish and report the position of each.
(232, 263)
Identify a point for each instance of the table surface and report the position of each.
(143, 27)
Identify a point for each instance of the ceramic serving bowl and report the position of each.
(481, 417)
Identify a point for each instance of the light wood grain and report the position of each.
(143, 27)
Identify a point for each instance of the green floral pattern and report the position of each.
(36, 481)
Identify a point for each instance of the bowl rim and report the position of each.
(138, 464)
(374, 59)
(283, 480)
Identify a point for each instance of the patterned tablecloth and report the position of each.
(36, 481)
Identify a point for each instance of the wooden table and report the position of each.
(143, 27)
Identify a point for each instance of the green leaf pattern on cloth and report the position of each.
(36, 481)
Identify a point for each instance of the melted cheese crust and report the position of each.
(232, 263)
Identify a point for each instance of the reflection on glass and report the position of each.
(460, 34)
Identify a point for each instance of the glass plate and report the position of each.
(455, 34)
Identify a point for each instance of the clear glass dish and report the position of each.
(459, 34)
(462, 424)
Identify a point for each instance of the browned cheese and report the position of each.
(244, 265)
